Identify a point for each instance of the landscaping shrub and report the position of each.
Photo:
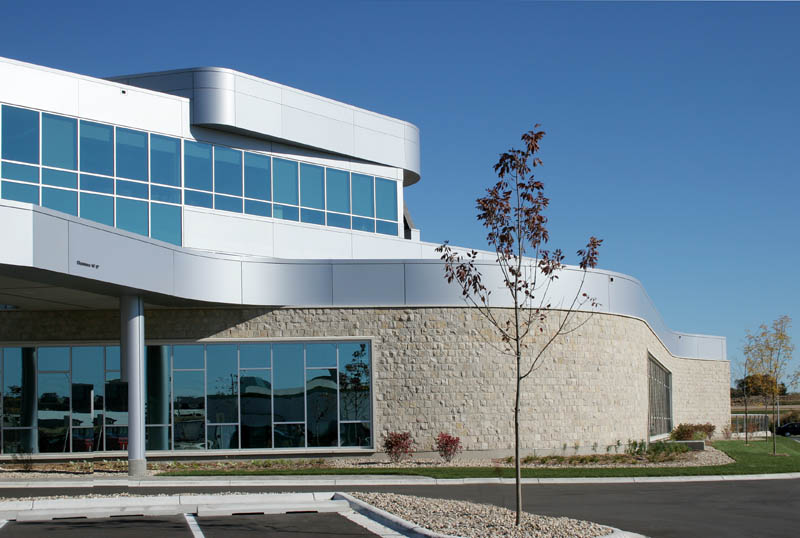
(398, 445)
(448, 446)
(688, 432)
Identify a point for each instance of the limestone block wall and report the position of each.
(442, 369)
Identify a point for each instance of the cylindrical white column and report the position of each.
(132, 350)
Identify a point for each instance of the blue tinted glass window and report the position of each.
(338, 192)
(132, 215)
(362, 195)
(388, 228)
(228, 203)
(21, 192)
(284, 212)
(53, 358)
(365, 225)
(60, 200)
(312, 186)
(59, 141)
(285, 178)
(131, 154)
(339, 221)
(188, 357)
(165, 160)
(97, 208)
(20, 134)
(313, 217)
(256, 176)
(227, 171)
(165, 194)
(21, 172)
(258, 208)
(131, 188)
(97, 184)
(199, 199)
(385, 199)
(197, 165)
(97, 148)
(59, 178)
(165, 223)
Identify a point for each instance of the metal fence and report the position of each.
(754, 423)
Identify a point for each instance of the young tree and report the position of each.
(513, 212)
(769, 351)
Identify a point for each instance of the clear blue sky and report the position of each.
(672, 129)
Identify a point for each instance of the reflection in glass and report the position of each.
(97, 184)
(59, 141)
(20, 441)
(289, 382)
(364, 225)
(189, 357)
(97, 208)
(290, 435)
(312, 217)
(157, 438)
(53, 358)
(20, 134)
(116, 400)
(256, 401)
(355, 434)
(254, 356)
(165, 160)
(222, 383)
(19, 386)
(132, 215)
(385, 199)
(59, 178)
(256, 176)
(116, 438)
(20, 192)
(387, 228)
(354, 381)
(227, 171)
(189, 409)
(97, 148)
(87, 386)
(21, 172)
(285, 212)
(228, 203)
(320, 355)
(285, 181)
(157, 388)
(222, 437)
(112, 358)
(60, 200)
(197, 165)
(321, 410)
(362, 195)
(338, 190)
(131, 154)
(197, 198)
(339, 221)
(312, 186)
(165, 221)
(53, 412)
(86, 439)
(261, 209)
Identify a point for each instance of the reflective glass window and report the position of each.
(20, 134)
(227, 171)
(312, 186)
(21, 172)
(97, 208)
(189, 417)
(60, 200)
(97, 184)
(365, 225)
(254, 356)
(385, 199)
(131, 154)
(165, 160)
(132, 215)
(59, 141)
(312, 217)
(355, 434)
(222, 383)
(165, 223)
(97, 148)
(116, 407)
(19, 387)
(290, 435)
(117, 437)
(197, 165)
(20, 192)
(112, 358)
(354, 381)
(53, 358)
(339, 221)
(228, 203)
(338, 190)
(322, 407)
(199, 199)
(320, 355)
(256, 401)
(20, 441)
(53, 413)
(262, 209)
(285, 179)
(362, 195)
(132, 189)
(257, 182)
(165, 194)
(59, 178)
(221, 437)
(157, 385)
(157, 438)
(284, 212)
(388, 228)
(88, 390)
(188, 357)
(289, 383)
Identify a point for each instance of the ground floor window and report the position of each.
(660, 398)
(252, 395)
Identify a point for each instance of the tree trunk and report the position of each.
(517, 468)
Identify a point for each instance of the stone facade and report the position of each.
(441, 369)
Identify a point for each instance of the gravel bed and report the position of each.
(472, 520)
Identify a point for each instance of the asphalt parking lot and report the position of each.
(278, 525)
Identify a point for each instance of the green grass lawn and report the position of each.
(755, 458)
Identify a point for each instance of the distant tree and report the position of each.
(759, 385)
(769, 351)
(513, 212)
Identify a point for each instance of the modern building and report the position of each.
(204, 262)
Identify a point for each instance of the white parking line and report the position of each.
(193, 526)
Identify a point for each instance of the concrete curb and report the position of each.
(374, 480)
